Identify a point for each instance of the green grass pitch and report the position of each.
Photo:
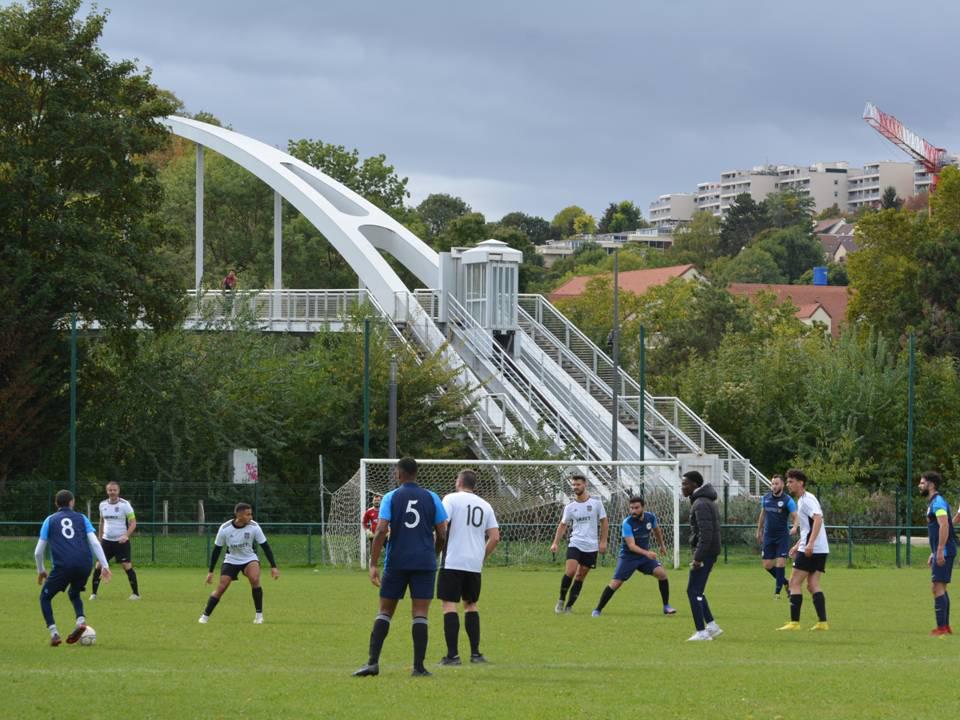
(153, 660)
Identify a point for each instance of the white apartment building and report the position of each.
(825, 183)
(866, 189)
(921, 178)
(757, 183)
(672, 209)
(708, 197)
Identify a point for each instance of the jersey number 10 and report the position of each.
(474, 515)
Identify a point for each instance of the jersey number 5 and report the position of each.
(411, 510)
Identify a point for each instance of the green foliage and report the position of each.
(463, 231)
(794, 250)
(788, 208)
(438, 210)
(535, 228)
(753, 264)
(744, 219)
(889, 199)
(77, 207)
(945, 202)
(621, 217)
(836, 275)
(584, 224)
(697, 242)
(562, 225)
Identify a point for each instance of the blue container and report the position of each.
(820, 276)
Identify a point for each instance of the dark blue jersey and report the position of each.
(66, 532)
(640, 528)
(937, 508)
(412, 513)
(776, 515)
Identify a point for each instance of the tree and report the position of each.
(584, 224)
(889, 199)
(535, 228)
(464, 231)
(830, 213)
(78, 207)
(744, 219)
(945, 202)
(789, 207)
(697, 242)
(751, 265)
(438, 210)
(793, 249)
(621, 217)
(562, 225)
(939, 266)
(372, 177)
(885, 272)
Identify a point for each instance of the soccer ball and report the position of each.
(89, 636)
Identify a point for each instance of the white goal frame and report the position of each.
(674, 487)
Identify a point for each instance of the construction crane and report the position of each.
(933, 159)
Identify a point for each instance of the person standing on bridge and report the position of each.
(229, 288)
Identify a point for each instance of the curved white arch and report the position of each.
(353, 225)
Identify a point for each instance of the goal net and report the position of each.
(527, 496)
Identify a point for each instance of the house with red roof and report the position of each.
(635, 281)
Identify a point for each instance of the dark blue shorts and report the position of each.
(942, 574)
(627, 566)
(394, 584)
(61, 578)
(776, 547)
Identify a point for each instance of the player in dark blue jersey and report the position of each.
(943, 549)
(73, 545)
(635, 554)
(777, 521)
(415, 519)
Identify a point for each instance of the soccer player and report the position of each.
(582, 514)
(240, 536)
(416, 519)
(635, 554)
(73, 545)
(117, 524)
(778, 519)
(705, 541)
(472, 534)
(369, 520)
(943, 549)
(809, 553)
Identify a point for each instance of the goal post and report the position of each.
(527, 496)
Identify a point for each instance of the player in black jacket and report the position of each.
(705, 541)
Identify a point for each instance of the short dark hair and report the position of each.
(408, 466)
(932, 476)
(468, 478)
(240, 507)
(63, 498)
(693, 476)
(776, 475)
(112, 482)
(578, 476)
(636, 499)
(797, 474)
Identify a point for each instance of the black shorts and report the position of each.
(394, 583)
(113, 549)
(452, 585)
(587, 559)
(815, 563)
(234, 571)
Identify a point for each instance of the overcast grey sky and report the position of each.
(537, 104)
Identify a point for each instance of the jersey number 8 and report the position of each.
(66, 528)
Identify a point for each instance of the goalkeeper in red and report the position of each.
(636, 555)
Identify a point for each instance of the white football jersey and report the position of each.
(807, 507)
(470, 518)
(115, 516)
(584, 518)
(239, 541)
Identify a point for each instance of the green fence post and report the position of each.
(897, 522)
(726, 503)
(153, 523)
(206, 529)
(309, 544)
(849, 545)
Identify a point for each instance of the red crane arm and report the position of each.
(932, 158)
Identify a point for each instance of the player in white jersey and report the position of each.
(583, 515)
(472, 534)
(117, 525)
(809, 553)
(240, 536)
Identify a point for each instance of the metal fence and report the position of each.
(188, 544)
